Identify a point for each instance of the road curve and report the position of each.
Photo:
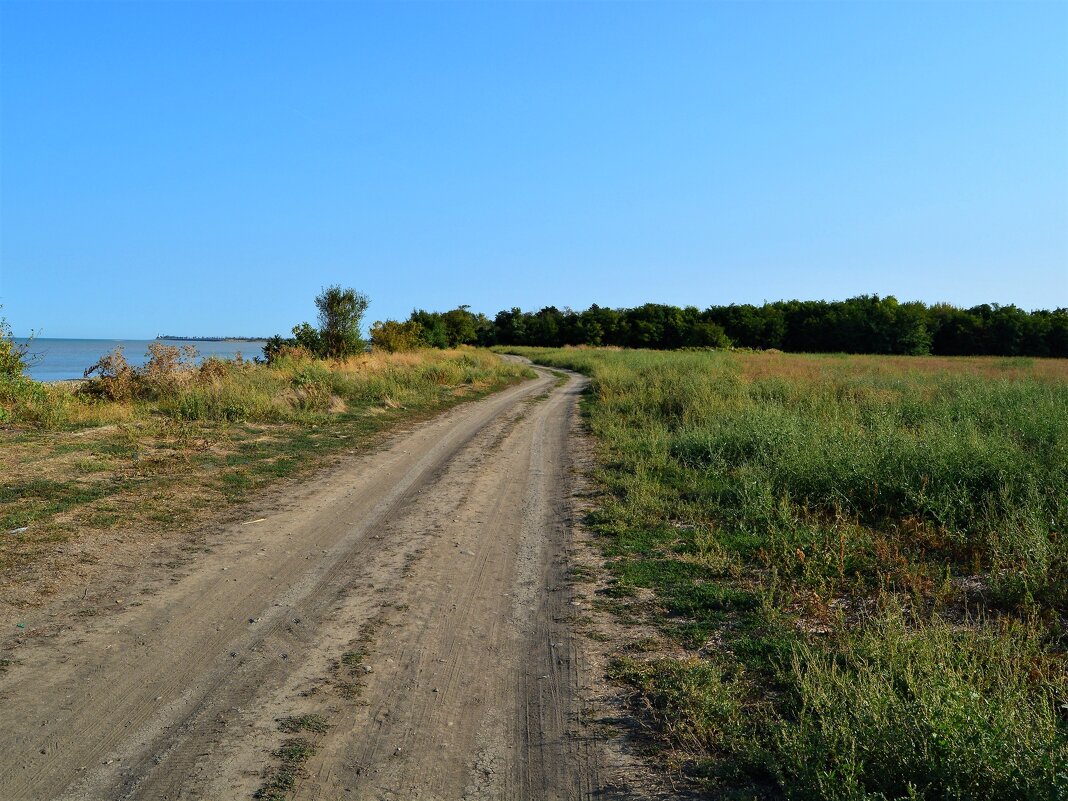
(413, 603)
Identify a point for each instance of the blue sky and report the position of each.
(201, 168)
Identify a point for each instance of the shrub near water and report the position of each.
(785, 510)
(295, 388)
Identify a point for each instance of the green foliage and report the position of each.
(340, 314)
(274, 347)
(281, 780)
(933, 712)
(12, 355)
(452, 328)
(295, 724)
(694, 700)
(23, 400)
(338, 335)
(395, 337)
(24, 502)
(309, 339)
(864, 324)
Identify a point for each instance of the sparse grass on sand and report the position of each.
(164, 447)
(865, 558)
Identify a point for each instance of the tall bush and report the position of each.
(340, 314)
(393, 337)
(12, 355)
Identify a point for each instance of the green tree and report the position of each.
(12, 355)
(511, 327)
(340, 314)
(1057, 333)
(393, 336)
(308, 337)
(460, 326)
(435, 333)
(911, 336)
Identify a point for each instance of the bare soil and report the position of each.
(408, 614)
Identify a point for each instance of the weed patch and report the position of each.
(281, 779)
(311, 723)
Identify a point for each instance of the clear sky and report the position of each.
(204, 168)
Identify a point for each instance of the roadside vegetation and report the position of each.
(856, 568)
(164, 445)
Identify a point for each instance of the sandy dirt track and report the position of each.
(414, 599)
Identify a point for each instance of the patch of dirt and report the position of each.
(631, 763)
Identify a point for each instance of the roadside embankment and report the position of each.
(94, 468)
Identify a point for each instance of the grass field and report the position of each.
(857, 566)
(166, 446)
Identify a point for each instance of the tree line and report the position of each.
(864, 324)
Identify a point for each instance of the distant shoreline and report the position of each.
(212, 339)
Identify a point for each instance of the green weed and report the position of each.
(283, 777)
(313, 723)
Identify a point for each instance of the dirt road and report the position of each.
(406, 615)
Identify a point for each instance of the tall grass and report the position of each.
(295, 388)
(895, 712)
(874, 545)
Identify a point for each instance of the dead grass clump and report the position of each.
(168, 367)
(114, 378)
(214, 370)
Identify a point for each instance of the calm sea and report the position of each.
(58, 359)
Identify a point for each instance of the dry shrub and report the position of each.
(381, 361)
(294, 353)
(115, 379)
(214, 370)
(314, 397)
(167, 368)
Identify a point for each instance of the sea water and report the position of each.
(61, 359)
